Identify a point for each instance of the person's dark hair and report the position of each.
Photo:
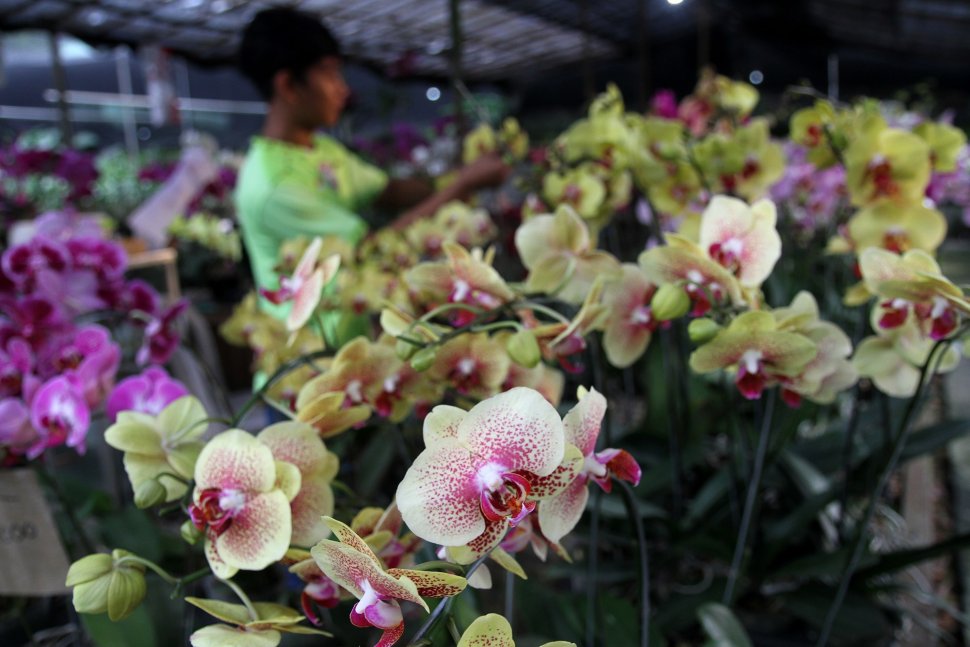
(283, 39)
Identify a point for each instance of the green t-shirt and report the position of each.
(286, 191)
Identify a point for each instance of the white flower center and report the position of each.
(232, 501)
(900, 304)
(593, 467)
(368, 598)
(641, 315)
(751, 359)
(466, 366)
(733, 246)
(461, 290)
(939, 307)
(694, 276)
(391, 382)
(353, 391)
(489, 476)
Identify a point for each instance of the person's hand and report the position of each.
(488, 170)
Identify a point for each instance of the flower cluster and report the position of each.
(55, 370)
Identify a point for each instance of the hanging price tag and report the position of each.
(32, 558)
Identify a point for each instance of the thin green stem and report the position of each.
(549, 312)
(243, 597)
(152, 566)
(747, 516)
(899, 441)
(280, 373)
(633, 512)
(443, 606)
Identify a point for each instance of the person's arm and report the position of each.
(404, 193)
(488, 170)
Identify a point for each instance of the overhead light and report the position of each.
(674, 2)
(756, 77)
(433, 93)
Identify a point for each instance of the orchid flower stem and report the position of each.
(850, 435)
(592, 567)
(498, 325)
(549, 312)
(629, 499)
(751, 500)
(188, 579)
(435, 565)
(899, 443)
(453, 630)
(673, 434)
(242, 597)
(443, 607)
(442, 309)
(152, 566)
(66, 506)
(510, 596)
(280, 373)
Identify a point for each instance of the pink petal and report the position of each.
(582, 424)
(309, 259)
(237, 460)
(314, 500)
(296, 443)
(391, 636)
(558, 515)
(518, 429)
(259, 533)
(350, 569)
(438, 498)
(621, 464)
(442, 423)
(306, 301)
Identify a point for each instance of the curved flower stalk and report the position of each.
(243, 628)
(560, 255)
(304, 287)
(493, 630)
(352, 564)
(482, 471)
(830, 372)
(163, 447)
(756, 351)
(559, 514)
(886, 165)
(242, 503)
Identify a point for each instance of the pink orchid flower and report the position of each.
(560, 513)
(92, 357)
(16, 362)
(59, 415)
(242, 503)
(305, 286)
(482, 471)
(743, 239)
(147, 393)
(352, 564)
(34, 319)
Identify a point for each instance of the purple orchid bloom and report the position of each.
(59, 416)
(148, 393)
(64, 225)
(34, 319)
(91, 357)
(664, 104)
(106, 258)
(16, 363)
(79, 170)
(22, 262)
(161, 338)
(16, 432)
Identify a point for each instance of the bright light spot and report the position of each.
(433, 93)
(674, 2)
(756, 77)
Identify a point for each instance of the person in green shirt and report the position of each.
(295, 181)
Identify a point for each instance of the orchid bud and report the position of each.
(190, 533)
(424, 358)
(669, 302)
(149, 493)
(523, 348)
(702, 330)
(107, 583)
(405, 350)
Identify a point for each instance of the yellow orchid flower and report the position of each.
(242, 629)
(493, 630)
(945, 142)
(886, 165)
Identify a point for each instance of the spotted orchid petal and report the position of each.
(490, 537)
(491, 630)
(259, 534)
(542, 487)
(346, 535)
(431, 584)
(298, 444)
(352, 570)
(741, 237)
(442, 424)
(236, 459)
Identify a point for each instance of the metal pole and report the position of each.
(455, 53)
(834, 77)
(589, 83)
(184, 90)
(60, 83)
(123, 70)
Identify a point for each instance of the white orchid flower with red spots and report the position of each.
(242, 503)
(912, 286)
(473, 364)
(708, 283)
(757, 352)
(560, 513)
(484, 470)
(351, 563)
(493, 630)
(305, 286)
(741, 238)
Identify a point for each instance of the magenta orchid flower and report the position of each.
(560, 513)
(92, 358)
(161, 338)
(59, 415)
(482, 470)
(16, 432)
(16, 363)
(147, 393)
(21, 263)
(305, 286)
(105, 258)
